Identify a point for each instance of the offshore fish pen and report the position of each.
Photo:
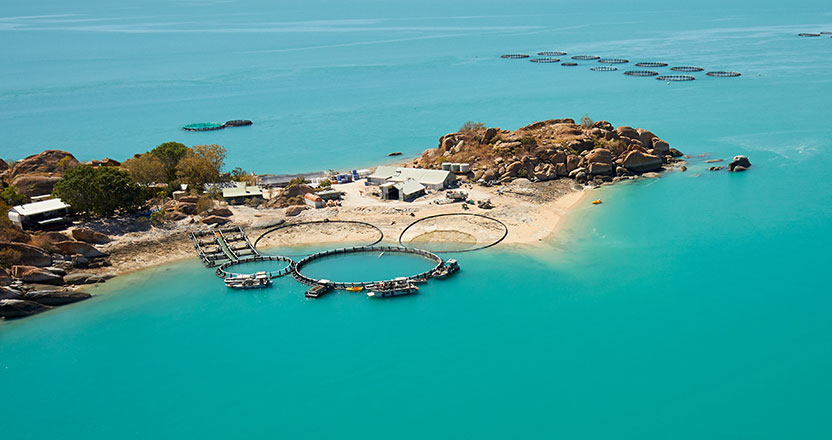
(613, 61)
(204, 126)
(545, 60)
(651, 64)
(224, 272)
(723, 74)
(603, 68)
(556, 53)
(585, 57)
(514, 56)
(687, 69)
(675, 78)
(808, 34)
(641, 73)
(568, 64)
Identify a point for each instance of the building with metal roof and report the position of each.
(40, 214)
(405, 191)
(431, 179)
(241, 193)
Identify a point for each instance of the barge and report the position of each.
(398, 287)
(254, 281)
(318, 290)
(446, 270)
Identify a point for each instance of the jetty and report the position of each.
(222, 245)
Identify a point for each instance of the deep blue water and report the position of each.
(692, 306)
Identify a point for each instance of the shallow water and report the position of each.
(692, 306)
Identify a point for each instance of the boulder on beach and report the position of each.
(89, 236)
(80, 248)
(219, 212)
(215, 220)
(55, 297)
(640, 162)
(29, 255)
(18, 308)
(739, 162)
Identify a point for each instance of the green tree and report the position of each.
(147, 169)
(98, 190)
(170, 153)
(203, 164)
(12, 197)
(586, 122)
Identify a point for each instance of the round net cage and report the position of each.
(651, 64)
(545, 60)
(555, 53)
(641, 73)
(687, 69)
(514, 56)
(454, 232)
(203, 126)
(723, 74)
(568, 64)
(826, 33)
(808, 34)
(585, 57)
(675, 78)
(613, 61)
(603, 68)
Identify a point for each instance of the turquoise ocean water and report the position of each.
(692, 306)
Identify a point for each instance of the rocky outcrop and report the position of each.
(5, 277)
(740, 163)
(41, 276)
(186, 207)
(31, 185)
(89, 236)
(189, 199)
(55, 298)
(47, 162)
(80, 248)
(640, 162)
(29, 255)
(18, 308)
(77, 278)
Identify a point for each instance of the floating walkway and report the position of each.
(222, 245)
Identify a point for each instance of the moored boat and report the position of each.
(398, 287)
(450, 267)
(318, 290)
(253, 281)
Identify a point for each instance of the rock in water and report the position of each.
(55, 297)
(641, 162)
(18, 308)
(739, 161)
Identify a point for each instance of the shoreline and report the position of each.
(532, 220)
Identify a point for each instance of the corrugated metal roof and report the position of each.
(40, 207)
(242, 191)
(383, 172)
(421, 175)
(410, 186)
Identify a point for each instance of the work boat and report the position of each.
(254, 281)
(450, 267)
(399, 286)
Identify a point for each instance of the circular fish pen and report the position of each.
(723, 74)
(826, 33)
(808, 34)
(687, 69)
(203, 126)
(372, 228)
(603, 68)
(613, 61)
(300, 277)
(675, 78)
(545, 60)
(641, 73)
(223, 271)
(446, 233)
(556, 53)
(651, 64)
(585, 57)
(568, 64)
(514, 56)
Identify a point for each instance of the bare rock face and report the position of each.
(31, 185)
(3, 165)
(640, 162)
(739, 162)
(189, 199)
(294, 210)
(79, 247)
(220, 212)
(45, 163)
(175, 215)
(599, 155)
(660, 146)
(628, 132)
(186, 207)
(572, 163)
(513, 169)
(214, 220)
(55, 297)
(29, 255)
(596, 168)
(18, 308)
(77, 278)
(89, 236)
(41, 276)
(9, 293)
(5, 277)
(646, 137)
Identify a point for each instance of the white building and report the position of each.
(431, 179)
(39, 214)
(405, 191)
